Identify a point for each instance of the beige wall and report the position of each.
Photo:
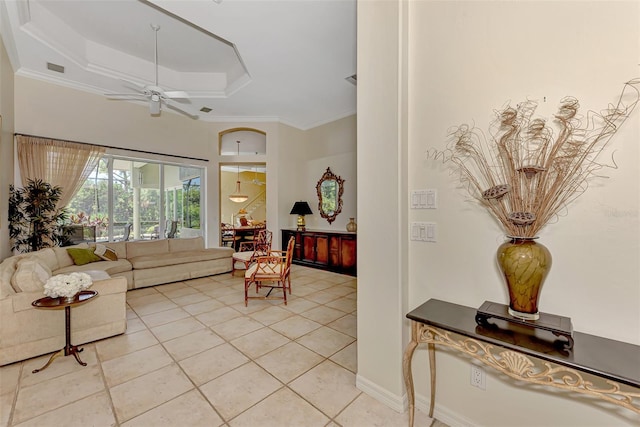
(51, 110)
(6, 146)
(382, 202)
(331, 145)
(460, 61)
(55, 111)
(228, 186)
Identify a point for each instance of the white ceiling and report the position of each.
(259, 60)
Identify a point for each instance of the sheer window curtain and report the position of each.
(62, 163)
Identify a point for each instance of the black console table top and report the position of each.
(606, 358)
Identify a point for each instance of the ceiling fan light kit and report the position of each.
(154, 93)
(154, 106)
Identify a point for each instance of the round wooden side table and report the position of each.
(57, 304)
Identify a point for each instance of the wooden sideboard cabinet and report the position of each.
(328, 250)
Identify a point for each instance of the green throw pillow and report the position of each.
(83, 256)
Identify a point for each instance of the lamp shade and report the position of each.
(237, 196)
(301, 208)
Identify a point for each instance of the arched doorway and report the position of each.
(243, 183)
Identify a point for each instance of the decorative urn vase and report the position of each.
(352, 227)
(524, 264)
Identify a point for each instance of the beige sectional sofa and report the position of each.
(154, 262)
(27, 332)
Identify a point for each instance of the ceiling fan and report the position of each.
(255, 180)
(154, 93)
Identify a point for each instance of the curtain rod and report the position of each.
(115, 148)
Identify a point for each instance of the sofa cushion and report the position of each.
(64, 259)
(106, 253)
(82, 256)
(190, 244)
(110, 267)
(48, 256)
(136, 249)
(173, 258)
(30, 276)
(97, 275)
(120, 248)
(7, 269)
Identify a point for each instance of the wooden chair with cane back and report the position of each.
(228, 234)
(272, 271)
(250, 250)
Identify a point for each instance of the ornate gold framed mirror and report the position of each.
(330, 188)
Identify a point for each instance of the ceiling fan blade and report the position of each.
(176, 94)
(174, 106)
(133, 85)
(154, 93)
(124, 96)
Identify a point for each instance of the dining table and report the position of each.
(245, 233)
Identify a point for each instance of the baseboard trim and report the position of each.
(443, 414)
(401, 403)
(395, 402)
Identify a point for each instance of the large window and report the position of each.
(136, 199)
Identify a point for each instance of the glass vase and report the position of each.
(524, 264)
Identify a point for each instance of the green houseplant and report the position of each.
(35, 221)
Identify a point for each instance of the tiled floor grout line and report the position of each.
(106, 385)
(177, 363)
(15, 396)
(252, 359)
(328, 301)
(325, 359)
(286, 385)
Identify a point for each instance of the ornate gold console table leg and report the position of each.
(417, 337)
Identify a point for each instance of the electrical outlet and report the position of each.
(478, 378)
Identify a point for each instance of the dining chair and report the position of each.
(271, 271)
(229, 237)
(250, 250)
(127, 232)
(258, 228)
(171, 229)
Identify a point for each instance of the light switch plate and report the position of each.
(423, 231)
(431, 199)
(424, 199)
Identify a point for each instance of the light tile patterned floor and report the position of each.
(194, 355)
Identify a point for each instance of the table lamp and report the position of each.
(301, 209)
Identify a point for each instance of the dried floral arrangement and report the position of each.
(525, 174)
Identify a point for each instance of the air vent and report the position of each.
(205, 109)
(55, 67)
(353, 79)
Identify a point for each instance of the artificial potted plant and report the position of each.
(35, 221)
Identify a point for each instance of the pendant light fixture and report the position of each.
(237, 195)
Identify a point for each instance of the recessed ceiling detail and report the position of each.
(117, 44)
(259, 61)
